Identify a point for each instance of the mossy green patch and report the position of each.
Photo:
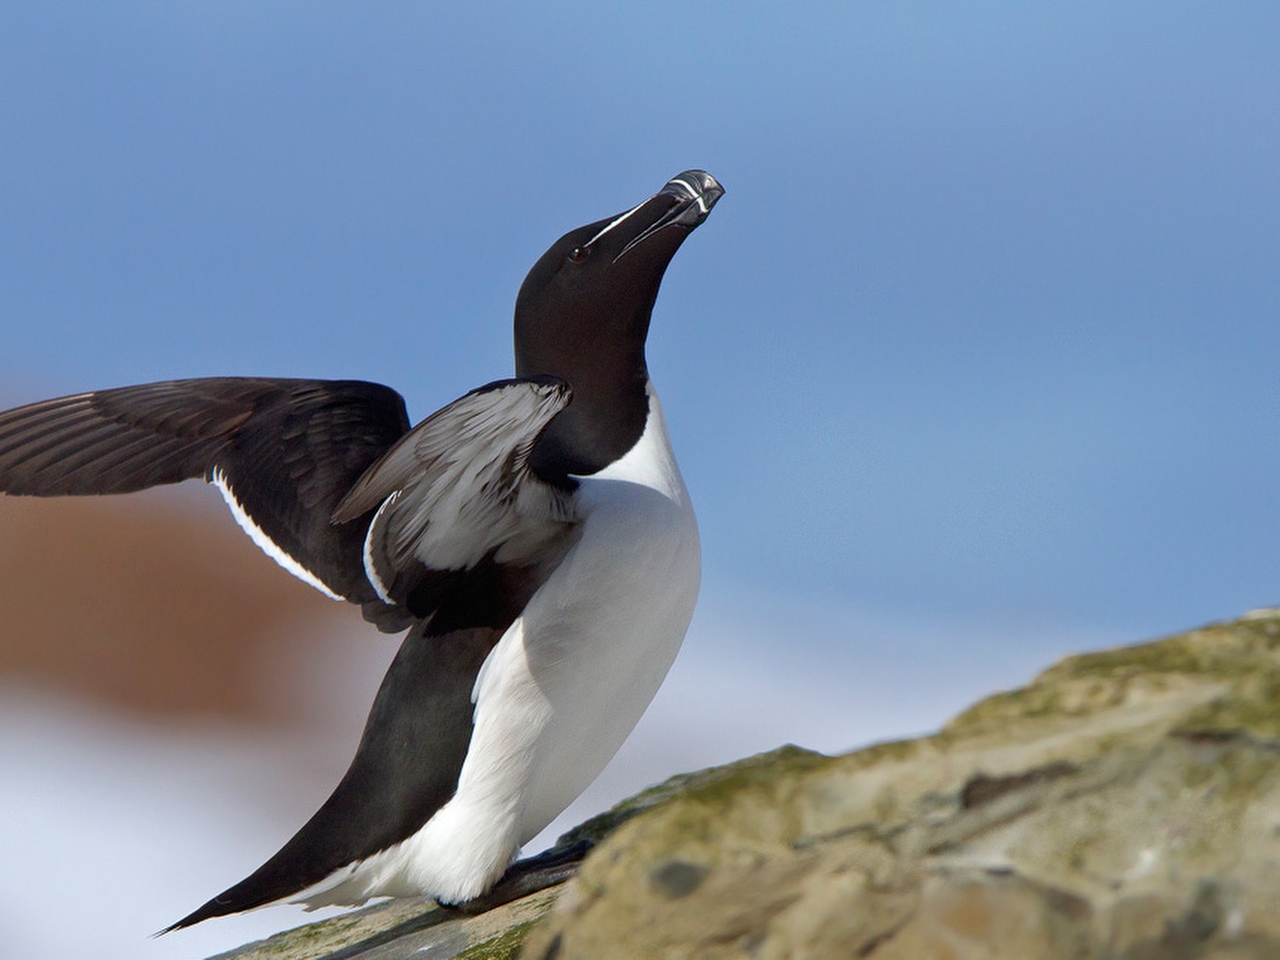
(706, 786)
(887, 751)
(1244, 653)
(1036, 700)
(1252, 706)
(1226, 650)
(316, 939)
(504, 946)
(764, 771)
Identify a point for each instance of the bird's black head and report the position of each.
(583, 314)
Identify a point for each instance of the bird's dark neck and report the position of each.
(603, 421)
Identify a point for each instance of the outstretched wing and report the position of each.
(445, 522)
(283, 453)
(463, 531)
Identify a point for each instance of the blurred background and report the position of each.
(975, 365)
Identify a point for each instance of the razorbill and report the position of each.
(534, 537)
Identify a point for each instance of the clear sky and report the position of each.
(985, 328)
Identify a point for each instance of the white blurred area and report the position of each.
(115, 823)
(113, 828)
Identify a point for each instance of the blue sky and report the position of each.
(975, 363)
(984, 330)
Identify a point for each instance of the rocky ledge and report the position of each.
(1124, 805)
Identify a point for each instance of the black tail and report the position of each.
(404, 770)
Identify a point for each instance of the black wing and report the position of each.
(444, 522)
(283, 452)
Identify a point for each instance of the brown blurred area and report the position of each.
(151, 603)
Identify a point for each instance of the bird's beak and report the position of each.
(693, 194)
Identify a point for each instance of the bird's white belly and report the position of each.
(599, 644)
(564, 686)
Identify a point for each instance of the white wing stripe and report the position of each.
(265, 543)
(370, 567)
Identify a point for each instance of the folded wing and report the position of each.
(463, 531)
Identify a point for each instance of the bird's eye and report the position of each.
(578, 254)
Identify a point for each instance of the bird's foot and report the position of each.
(530, 875)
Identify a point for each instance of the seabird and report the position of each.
(534, 538)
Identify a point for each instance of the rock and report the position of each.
(1124, 805)
(399, 929)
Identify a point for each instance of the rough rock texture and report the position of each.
(1125, 805)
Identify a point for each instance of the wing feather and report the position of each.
(468, 531)
(284, 450)
(463, 530)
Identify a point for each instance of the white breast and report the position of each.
(566, 683)
(600, 640)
